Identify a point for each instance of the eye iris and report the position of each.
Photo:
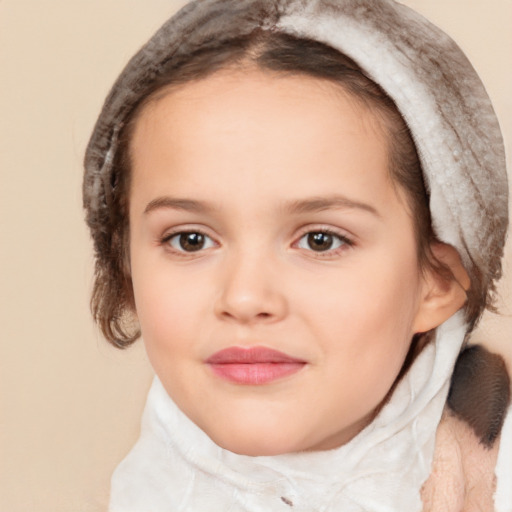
(320, 241)
(192, 241)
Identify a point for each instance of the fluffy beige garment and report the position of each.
(462, 477)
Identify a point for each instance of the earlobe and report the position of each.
(443, 292)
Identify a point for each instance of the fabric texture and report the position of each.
(463, 470)
(433, 84)
(175, 466)
(503, 494)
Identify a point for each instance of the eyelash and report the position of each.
(345, 242)
(166, 239)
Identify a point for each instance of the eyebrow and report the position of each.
(309, 205)
(174, 203)
(317, 204)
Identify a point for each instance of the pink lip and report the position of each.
(253, 365)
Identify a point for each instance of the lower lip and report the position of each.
(255, 373)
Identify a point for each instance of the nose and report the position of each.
(251, 291)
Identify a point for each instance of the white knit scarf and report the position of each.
(175, 466)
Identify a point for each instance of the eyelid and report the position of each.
(183, 229)
(326, 228)
(348, 239)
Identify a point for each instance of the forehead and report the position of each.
(235, 127)
(239, 88)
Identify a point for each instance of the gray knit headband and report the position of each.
(431, 81)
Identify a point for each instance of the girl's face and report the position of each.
(273, 261)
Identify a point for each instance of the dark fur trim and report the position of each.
(480, 392)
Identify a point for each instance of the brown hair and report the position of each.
(112, 301)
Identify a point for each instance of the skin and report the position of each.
(255, 162)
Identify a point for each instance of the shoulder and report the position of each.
(472, 465)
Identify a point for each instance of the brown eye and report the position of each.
(322, 241)
(191, 241)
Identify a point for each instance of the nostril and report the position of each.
(249, 304)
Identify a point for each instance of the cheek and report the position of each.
(377, 297)
(364, 320)
(166, 303)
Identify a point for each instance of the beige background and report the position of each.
(70, 405)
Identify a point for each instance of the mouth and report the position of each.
(253, 365)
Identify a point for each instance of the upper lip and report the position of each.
(251, 355)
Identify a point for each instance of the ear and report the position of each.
(443, 293)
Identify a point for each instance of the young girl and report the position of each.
(301, 206)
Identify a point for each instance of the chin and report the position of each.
(258, 444)
(255, 450)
